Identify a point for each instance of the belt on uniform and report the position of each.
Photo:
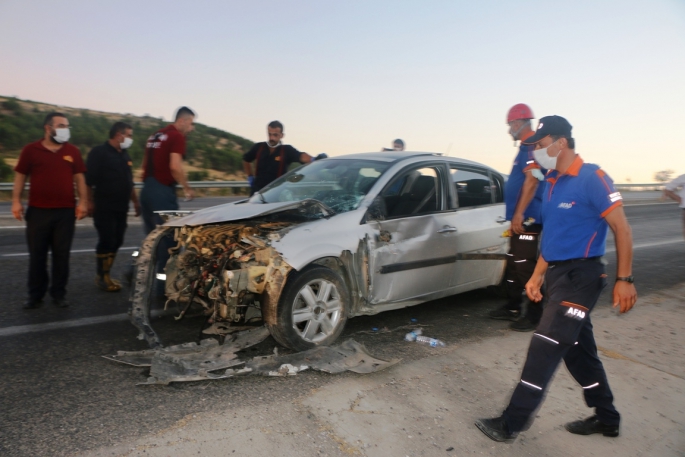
(584, 259)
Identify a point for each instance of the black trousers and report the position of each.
(565, 332)
(111, 227)
(49, 229)
(521, 260)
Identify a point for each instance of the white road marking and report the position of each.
(77, 225)
(32, 328)
(74, 251)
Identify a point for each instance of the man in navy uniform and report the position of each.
(523, 199)
(580, 203)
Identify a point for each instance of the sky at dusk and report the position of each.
(350, 76)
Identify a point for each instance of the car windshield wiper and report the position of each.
(261, 197)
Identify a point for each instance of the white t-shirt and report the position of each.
(678, 186)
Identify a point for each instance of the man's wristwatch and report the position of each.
(629, 279)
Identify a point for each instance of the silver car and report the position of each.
(337, 238)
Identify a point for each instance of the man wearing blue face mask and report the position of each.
(579, 204)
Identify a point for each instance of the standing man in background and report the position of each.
(397, 145)
(110, 187)
(523, 198)
(675, 190)
(54, 166)
(272, 158)
(163, 168)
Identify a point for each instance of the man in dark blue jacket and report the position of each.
(523, 197)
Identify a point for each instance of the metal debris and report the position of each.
(348, 355)
(199, 362)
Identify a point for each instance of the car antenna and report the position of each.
(447, 153)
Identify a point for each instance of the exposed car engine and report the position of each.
(224, 269)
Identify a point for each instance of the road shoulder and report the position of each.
(427, 407)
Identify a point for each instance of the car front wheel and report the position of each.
(312, 310)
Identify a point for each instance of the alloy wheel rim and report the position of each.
(317, 310)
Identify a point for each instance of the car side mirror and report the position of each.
(377, 210)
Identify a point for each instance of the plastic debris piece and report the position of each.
(432, 342)
(411, 336)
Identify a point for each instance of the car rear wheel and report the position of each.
(312, 310)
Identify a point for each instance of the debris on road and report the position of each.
(198, 362)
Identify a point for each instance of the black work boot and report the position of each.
(591, 425)
(32, 303)
(496, 429)
(504, 314)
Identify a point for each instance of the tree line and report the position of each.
(207, 147)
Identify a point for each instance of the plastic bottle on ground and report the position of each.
(433, 342)
(411, 336)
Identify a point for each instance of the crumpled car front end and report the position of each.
(227, 271)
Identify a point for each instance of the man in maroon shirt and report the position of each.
(53, 166)
(163, 168)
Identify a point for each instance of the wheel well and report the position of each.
(334, 264)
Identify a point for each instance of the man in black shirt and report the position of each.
(110, 187)
(272, 158)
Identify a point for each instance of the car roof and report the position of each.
(396, 156)
(384, 156)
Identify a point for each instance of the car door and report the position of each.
(412, 254)
(479, 219)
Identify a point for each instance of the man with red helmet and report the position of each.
(523, 198)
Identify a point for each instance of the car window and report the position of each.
(472, 185)
(497, 187)
(413, 192)
(339, 184)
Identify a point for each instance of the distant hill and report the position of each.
(211, 153)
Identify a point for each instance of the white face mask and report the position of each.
(127, 143)
(273, 145)
(544, 160)
(61, 135)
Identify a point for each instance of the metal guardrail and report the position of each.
(7, 186)
(640, 187)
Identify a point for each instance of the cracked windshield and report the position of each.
(339, 184)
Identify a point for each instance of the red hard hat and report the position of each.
(519, 111)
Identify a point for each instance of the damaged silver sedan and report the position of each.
(337, 238)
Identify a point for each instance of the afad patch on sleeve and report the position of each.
(574, 311)
(68, 158)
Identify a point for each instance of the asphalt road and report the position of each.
(59, 397)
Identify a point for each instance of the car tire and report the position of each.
(312, 310)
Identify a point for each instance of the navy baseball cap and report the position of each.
(550, 125)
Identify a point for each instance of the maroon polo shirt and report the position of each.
(160, 146)
(51, 174)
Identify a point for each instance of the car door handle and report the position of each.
(447, 229)
(501, 220)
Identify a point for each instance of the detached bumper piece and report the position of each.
(210, 360)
